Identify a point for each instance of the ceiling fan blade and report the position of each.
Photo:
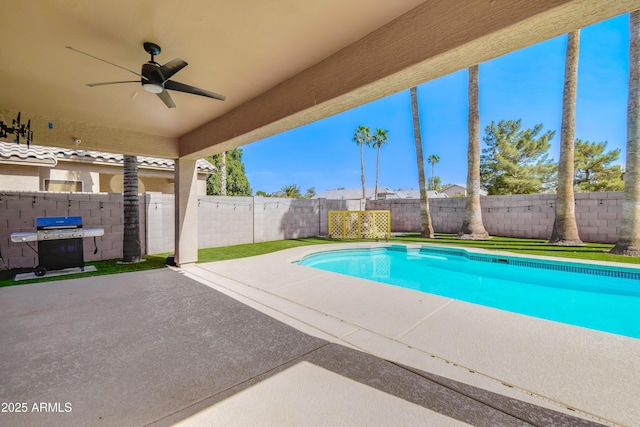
(181, 87)
(111, 83)
(103, 60)
(166, 98)
(171, 67)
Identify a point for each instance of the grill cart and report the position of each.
(60, 243)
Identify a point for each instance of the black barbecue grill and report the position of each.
(59, 242)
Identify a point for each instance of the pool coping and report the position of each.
(559, 366)
(482, 251)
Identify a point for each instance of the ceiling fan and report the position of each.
(155, 78)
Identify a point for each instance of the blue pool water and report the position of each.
(602, 298)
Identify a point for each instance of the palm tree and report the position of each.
(131, 251)
(223, 173)
(380, 137)
(629, 239)
(565, 228)
(291, 191)
(433, 159)
(362, 137)
(472, 226)
(426, 226)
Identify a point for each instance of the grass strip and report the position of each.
(252, 249)
(589, 251)
(110, 266)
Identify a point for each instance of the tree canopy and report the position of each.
(237, 181)
(362, 136)
(594, 169)
(516, 160)
(291, 191)
(311, 192)
(435, 183)
(379, 138)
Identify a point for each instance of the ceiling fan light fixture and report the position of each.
(155, 78)
(153, 88)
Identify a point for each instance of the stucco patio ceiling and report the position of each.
(280, 63)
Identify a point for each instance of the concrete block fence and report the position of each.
(19, 210)
(598, 215)
(224, 221)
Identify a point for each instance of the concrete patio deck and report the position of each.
(159, 348)
(575, 370)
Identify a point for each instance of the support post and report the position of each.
(186, 218)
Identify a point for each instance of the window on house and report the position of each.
(60, 185)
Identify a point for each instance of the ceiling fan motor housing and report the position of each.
(152, 80)
(152, 49)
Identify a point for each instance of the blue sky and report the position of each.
(526, 84)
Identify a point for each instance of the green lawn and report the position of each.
(103, 267)
(251, 249)
(590, 251)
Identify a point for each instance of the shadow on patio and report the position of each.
(158, 348)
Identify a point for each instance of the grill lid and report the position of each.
(53, 222)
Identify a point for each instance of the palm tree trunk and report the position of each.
(364, 195)
(223, 173)
(131, 251)
(472, 226)
(375, 196)
(426, 226)
(433, 184)
(565, 228)
(629, 239)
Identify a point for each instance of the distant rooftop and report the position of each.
(383, 193)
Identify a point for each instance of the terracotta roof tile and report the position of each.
(49, 156)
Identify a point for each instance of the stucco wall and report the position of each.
(16, 178)
(95, 177)
(66, 171)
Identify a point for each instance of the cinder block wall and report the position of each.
(335, 205)
(226, 221)
(19, 210)
(160, 222)
(598, 215)
(280, 218)
(405, 213)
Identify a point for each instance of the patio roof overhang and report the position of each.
(314, 62)
(432, 40)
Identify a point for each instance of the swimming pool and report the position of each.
(587, 295)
